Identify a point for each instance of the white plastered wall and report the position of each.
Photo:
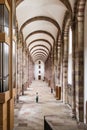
(70, 58)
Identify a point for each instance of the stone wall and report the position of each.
(25, 72)
(48, 71)
(19, 70)
(25, 69)
(31, 70)
(69, 94)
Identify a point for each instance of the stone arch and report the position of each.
(42, 53)
(40, 31)
(39, 46)
(36, 50)
(40, 40)
(37, 18)
(38, 54)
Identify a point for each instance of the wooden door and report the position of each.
(39, 77)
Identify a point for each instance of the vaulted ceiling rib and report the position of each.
(40, 32)
(41, 36)
(40, 47)
(41, 41)
(39, 50)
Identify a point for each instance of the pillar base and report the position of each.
(73, 114)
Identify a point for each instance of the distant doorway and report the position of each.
(39, 77)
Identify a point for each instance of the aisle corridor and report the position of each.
(29, 115)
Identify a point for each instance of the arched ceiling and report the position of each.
(40, 22)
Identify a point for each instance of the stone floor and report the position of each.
(29, 115)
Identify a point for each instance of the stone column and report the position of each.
(28, 68)
(24, 69)
(79, 62)
(23, 62)
(65, 67)
(31, 70)
(48, 70)
(73, 27)
(61, 64)
(19, 67)
(52, 77)
(59, 59)
(79, 71)
(55, 65)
